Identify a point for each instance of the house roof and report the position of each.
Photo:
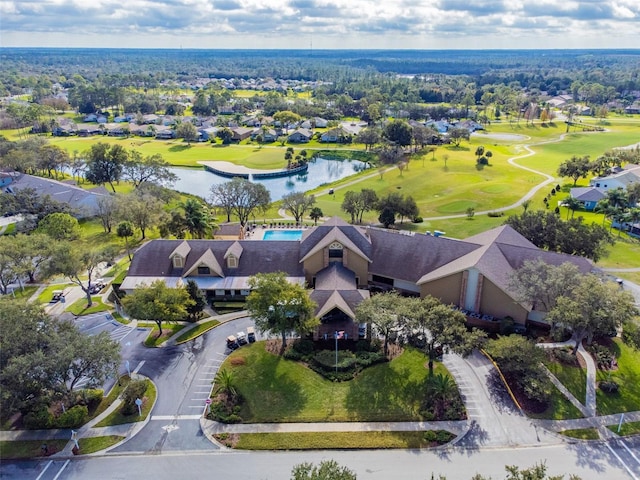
(234, 249)
(628, 175)
(588, 194)
(504, 234)
(154, 258)
(85, 202)
(336, 288)
(335, 230)
(409, 257)
(207, 259)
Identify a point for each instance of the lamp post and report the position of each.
(335, 336)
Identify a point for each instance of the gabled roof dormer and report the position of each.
(336, 239)
(206, 265)
(179, 255)
(233, 254)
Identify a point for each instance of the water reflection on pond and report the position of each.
(321, 171)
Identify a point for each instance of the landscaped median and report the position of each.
(335, 440)
(195, 332)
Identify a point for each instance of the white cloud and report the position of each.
(331, 23)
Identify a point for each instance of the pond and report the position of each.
(321, 171)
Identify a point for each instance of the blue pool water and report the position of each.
(282, 235)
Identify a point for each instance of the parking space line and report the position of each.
(621, 461)
(44, 470)
(61, 469)
(97, 326)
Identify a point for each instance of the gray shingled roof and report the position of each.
(408, 258)
(335, 277)
(357, 235)
(153, 259)
(504, 234)
(588, 194)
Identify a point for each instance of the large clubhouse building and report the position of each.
(343, 263)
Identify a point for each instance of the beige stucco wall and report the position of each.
(494, 301)
(446, 289)
(352, 261)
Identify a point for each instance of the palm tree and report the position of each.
(441, 388)
(526, 204)
(604, 207)
(197, 218)
(225, 383)
(572, 205)
(315, 214)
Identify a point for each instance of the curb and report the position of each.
(504, 381)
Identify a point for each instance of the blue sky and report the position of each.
(301, 24)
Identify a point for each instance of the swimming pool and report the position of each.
(282, 235)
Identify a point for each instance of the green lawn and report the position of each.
(574, 378)
(12, 450)
(47, 292)
(335, 440)
(582, 433)
(559, 408)
(95, 444)
(24, 292)
(197, 331)
(280, 390)
(629, 428)
(79, 307)
(117, 418)
(627, 376)
(167, 332)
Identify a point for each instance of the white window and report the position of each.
(232, 261)
(178, 261)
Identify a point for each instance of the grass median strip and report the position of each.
(336, 440)
(167, 332)
(95, 444)
(582, 433)
(12, 450)
(201, 329)
(118, 418)
(630, 428)
(79, 307)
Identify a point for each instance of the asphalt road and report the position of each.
(590, 461)
(184, 376)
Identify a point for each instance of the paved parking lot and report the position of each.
(126, 335)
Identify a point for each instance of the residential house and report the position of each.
(165, 133)
(84, 203)
(319, 122)
(335, 135)
(619, 178)
(241, 133)
(301, 135)
(341, 263)
(588, 196)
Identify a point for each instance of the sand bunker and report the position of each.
(507, 137)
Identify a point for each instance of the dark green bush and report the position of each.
(430, 436)
(609, 386)
(293, 354)
(90, 397)
(366, 359)
(304, 346)
(495, 214)
(418, 220)
(443, 437)
(631, 335)
(73, 417)
(602, 355)
(326, 359)
(134, 390)
(39, 418)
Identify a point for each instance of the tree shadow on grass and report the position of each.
(271, 396)
(384, 394)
